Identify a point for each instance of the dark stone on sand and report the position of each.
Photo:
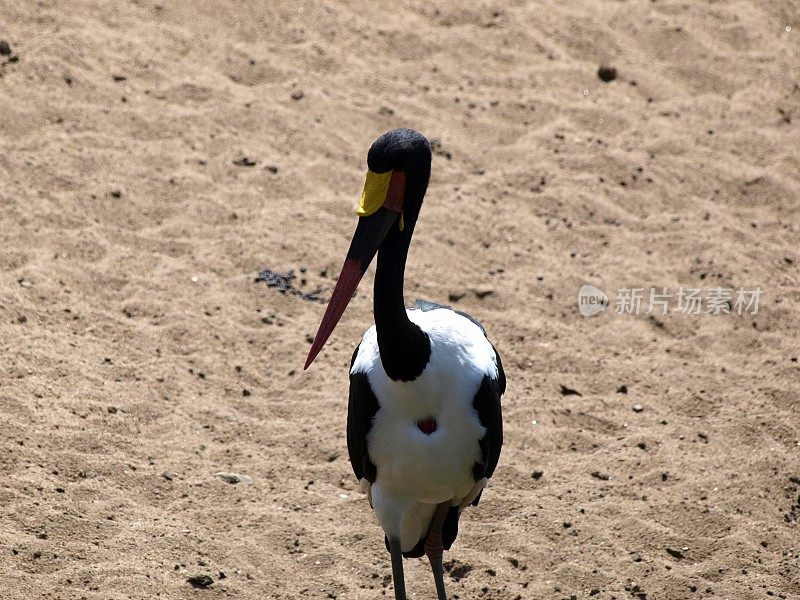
(200, 581)
(298, 95)
(233, 478)
(565, 391)
(675, 553)
(606, 73)
(5, 48)
(271, 168)
(115, 193)
(601, 476)
(537, 475)
(244, 161)
(623, 389)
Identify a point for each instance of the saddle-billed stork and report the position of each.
(424, 423)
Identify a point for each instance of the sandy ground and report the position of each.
(139, 356)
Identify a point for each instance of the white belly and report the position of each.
(430, 468)
(417, 471)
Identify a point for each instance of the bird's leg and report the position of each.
(434, 548)
(397, 569)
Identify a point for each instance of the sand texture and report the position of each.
(156, 155)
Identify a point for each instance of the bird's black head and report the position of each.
(399, 164)
(401, 150)
(399, 167)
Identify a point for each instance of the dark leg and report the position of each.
(434, 548)
(397, 569)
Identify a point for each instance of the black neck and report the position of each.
(404, 347)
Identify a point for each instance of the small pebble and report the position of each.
(233, 478)
(200, 581)
(565, 391)
(637, 408)
(674, 552)
(606, 73)
(5, 48)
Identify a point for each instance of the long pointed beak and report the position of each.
(368, 237)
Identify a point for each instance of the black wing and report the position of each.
(361, 408)
(490, 413)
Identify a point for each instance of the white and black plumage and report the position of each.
(424, 421)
